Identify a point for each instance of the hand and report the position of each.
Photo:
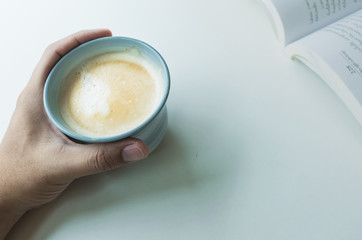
(37, 161)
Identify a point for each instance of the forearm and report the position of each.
(11, 208)
(8, 217)
(10, 211)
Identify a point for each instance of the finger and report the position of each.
(95, 158)
(57, 50)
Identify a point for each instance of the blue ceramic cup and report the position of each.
(151, 131)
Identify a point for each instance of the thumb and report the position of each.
(101, 157)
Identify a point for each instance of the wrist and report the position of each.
(9, 215)
(11, 208)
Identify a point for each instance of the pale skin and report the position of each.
(37, 161)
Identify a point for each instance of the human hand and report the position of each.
(37, 161)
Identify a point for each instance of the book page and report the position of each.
(338, 45)
(302, 17)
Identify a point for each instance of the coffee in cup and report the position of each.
(108, 89)
(109, 94)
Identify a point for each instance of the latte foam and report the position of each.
(109, 94)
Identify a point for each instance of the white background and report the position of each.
(258, 146)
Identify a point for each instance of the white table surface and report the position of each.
(257, 147)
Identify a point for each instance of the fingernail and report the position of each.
(132, 153)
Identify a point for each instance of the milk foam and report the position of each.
(110, 94)
(93, 95)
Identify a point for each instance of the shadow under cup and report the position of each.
(151, 131)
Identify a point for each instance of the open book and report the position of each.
(326, 35)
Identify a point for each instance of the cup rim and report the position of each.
(128, 133)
